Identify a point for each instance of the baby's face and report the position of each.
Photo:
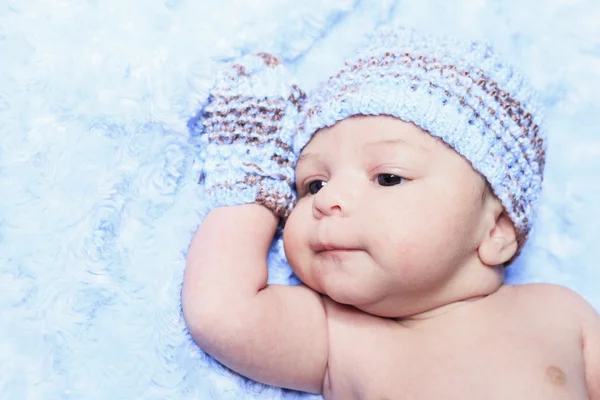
(386, 214)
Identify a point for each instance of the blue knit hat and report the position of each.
(459, 92)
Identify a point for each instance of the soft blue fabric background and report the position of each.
(98, 199)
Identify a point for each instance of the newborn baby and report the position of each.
(405, 185)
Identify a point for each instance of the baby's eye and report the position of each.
(315, 186)
(389, 179)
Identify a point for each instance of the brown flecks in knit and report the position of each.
(273, 114)
(502, 97)
(254, 166)
(280, 204)
(282, 145)
(240, 69)
(511, 106)
(282, 161)
(297, 97)
(242, 138)
(269, 59)
(245, 106)
(314, 110)
(277, 202)
(252, 180)
(235, 127)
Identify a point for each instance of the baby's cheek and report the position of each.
(294, 239)
(290, 239)
(409, 244)
(397, 252)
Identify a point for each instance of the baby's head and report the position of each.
(420, 168)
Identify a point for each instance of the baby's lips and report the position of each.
(318, 247)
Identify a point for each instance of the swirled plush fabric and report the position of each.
(98, 172)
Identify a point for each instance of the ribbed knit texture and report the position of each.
(246, 133)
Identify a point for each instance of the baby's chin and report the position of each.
(381, 309)
(373, 302)
(363, 298)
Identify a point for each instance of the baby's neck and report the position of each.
(472, 285)
(445, 309)
(468, 286)
(438, 311)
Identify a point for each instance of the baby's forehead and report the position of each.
(371, 134)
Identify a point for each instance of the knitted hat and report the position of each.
(459, 92)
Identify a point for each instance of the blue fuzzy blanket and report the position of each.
(98, 199)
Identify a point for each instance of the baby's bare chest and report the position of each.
(481, 361)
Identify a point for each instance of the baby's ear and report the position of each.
(500, 242)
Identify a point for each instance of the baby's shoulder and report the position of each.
(559, 301)
(538, 291)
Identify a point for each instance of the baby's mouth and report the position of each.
(332, 248)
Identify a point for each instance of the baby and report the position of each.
(417, 168)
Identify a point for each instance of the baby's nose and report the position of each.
(334, 198)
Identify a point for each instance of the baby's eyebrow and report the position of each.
(395, 142)
(318, 157)
(304, 157)
(315, 158)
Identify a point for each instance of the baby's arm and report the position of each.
(270, 333)
(591, 350)
(589, 321)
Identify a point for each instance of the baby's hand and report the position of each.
(246, 133)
